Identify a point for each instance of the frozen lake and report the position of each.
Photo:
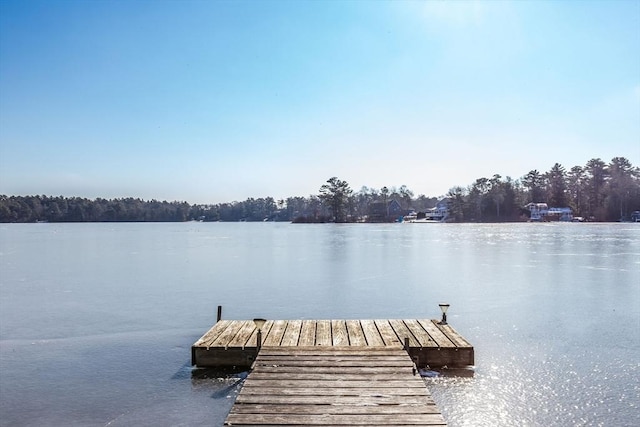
(97, 320)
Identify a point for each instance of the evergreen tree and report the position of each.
(557, 186)
(335, 195)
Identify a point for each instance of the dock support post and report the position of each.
(406, 344)
(259, 340)
(219, 313)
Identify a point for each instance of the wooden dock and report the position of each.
(341, 385)
(234, 342)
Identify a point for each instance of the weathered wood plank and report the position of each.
(342, 409)
(423, 338)
(364, 369)
(213, 333)
(382, 399)
(307, 333)
(334, 391)
(274, 337)
(342, 365)
(403, 332)
(330, 351)
(371, 333)
(292, 419)
(387, 333)
(339, 333)
(253, 339)
(225, 337)
(364, 383)
(368, 355)
(323, 333)
(330, 376)
(355, 333)
(454, 336)
(292, 333)
(208, 336)
(328, 356)
(243, 335)
(322, 362)
(438, 336)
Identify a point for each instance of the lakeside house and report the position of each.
(383, 212)
(542, 212)
(439, 213)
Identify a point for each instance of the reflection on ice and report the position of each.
(532, 391)
(227, 382)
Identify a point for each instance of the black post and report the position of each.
(259, 340)
(219, 313)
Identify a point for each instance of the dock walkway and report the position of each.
(337, 385)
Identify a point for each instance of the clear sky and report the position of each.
(215, 101)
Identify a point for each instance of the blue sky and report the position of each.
(212, 101)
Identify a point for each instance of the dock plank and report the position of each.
(306, 357)
(356, 335)
(381, 399)
(330, 409)
(326, 376)
(335, 391)
(387, 333)
(438, 336)
(336, 420)
(253, 339)
(454, 336)
(371, 333)
(292, 333)
(274, 337)
(213, 333)
(323, 333)
(244, 333)
(227, 335)
(339, 333)
(403, 332)
(333, 350)
(367, 369)
(307, 333)
(422, 336)
(364, 383)
(353, 363)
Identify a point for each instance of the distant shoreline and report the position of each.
(598, 192)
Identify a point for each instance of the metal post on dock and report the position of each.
(219, 313)
(259, 324)
(406, 344)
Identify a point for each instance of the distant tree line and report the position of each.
(76, 209)
(597, 191)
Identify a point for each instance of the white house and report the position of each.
(542, 212)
